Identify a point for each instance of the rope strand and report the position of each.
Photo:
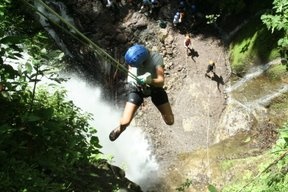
(85, 40)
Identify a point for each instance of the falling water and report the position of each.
(131, 151)
(267, 99)
(252, 74)
(248, 100)
(44, 22)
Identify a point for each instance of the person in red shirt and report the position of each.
(187, 43)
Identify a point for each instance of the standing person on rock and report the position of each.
(187, 44)
(210, 68)
(148, 67)
(155, 8)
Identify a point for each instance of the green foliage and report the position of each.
(3, 12)
(273, 176)
(212, 188)
(46, 143)
(254, 44)
(277, 72)
(277, 20)
(282, 143)
(212, 18)
(185, 185)
(44, 139)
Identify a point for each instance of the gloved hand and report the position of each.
(146, 78)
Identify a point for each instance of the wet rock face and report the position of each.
(114, 31)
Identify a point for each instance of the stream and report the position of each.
(249, 100)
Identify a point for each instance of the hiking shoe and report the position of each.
(115, 134)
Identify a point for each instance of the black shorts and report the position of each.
(158, 95)
(210, 68)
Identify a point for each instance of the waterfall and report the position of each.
(131, 151)
(252, 74)
(44, 22)
(267, 99)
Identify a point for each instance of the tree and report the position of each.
(277, 20)
(46, 142)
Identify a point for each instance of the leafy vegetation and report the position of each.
(277, 72)
(249, 46)
(277, 20)
(272, 176)
(46, 143)
(185, 185)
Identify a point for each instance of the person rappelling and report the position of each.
(147, 80)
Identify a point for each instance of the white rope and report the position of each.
(208, 127)
(208, 133)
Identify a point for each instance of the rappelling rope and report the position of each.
(85, 40)
(209, 125)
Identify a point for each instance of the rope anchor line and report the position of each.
(85, 40)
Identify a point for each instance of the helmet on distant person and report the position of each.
(136, 55)
(211, 62)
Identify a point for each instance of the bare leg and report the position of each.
(128, 114)
(166, 112)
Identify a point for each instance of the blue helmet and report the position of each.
(136, 55)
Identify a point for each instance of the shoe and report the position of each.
(115, 134)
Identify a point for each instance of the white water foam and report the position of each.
(252, 74)
(131, 151)
(267, 99)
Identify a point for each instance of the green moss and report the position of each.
(278, 111)
(277, 72)
(226, 165)
(249, 167)
(242, 53)
(281, 104)
(254, 45)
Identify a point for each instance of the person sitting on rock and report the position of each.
(148, 67)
